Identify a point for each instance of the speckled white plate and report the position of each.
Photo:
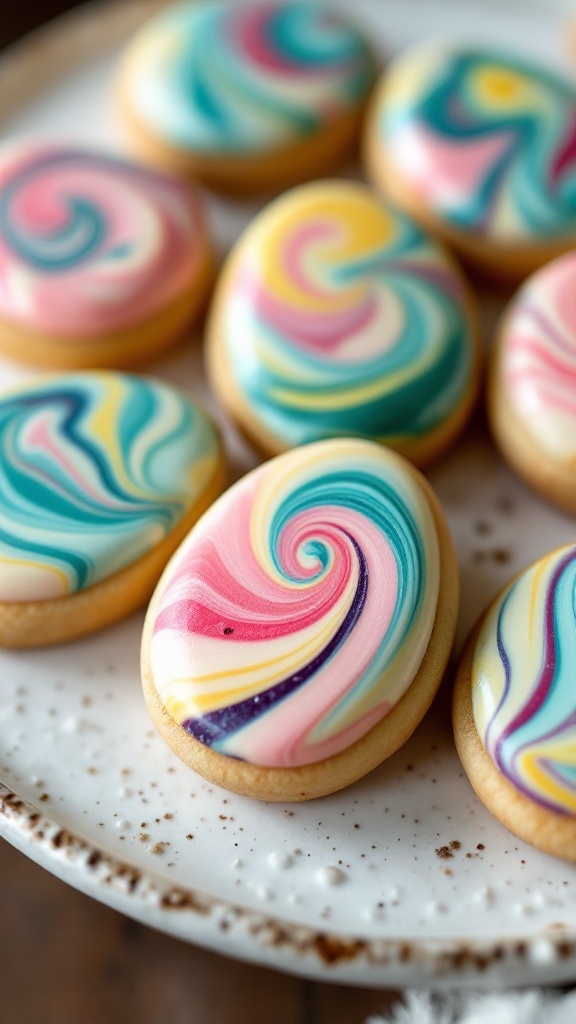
(402, 879)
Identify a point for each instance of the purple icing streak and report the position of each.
(217, 725)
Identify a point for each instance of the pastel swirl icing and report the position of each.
(95, 470)
(90, 244)
(538, 359)
(488, 141)
(299, 609)
(523, 692)
(228, 77)
(340, 317)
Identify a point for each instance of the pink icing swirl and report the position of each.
(539, 357)
(92, 244)
(299, 609)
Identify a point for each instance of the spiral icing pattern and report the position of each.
(225, 77)
(524, 698)
(340, 317)
(90, 244)
(299, 609)
(538, 359)
(95, 470)
(486, 141)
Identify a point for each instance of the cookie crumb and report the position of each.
(501, 556)
(444, 853)
(158, 849)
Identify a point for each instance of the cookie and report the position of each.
(335, 315)
(101, 476)
(102, 263)
(300, 633)
(479, 146)
(532, 382)
(515, 705)
(245, 97)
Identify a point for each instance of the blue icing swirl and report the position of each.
(95, 470)
(75, 241)
(318, 574)
(510, 126)
(523, 691)
(219, 76)
(340, 317)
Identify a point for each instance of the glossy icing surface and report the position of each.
(340, 317)
(95, 470)
(537, 367)
(299, 609)
(90, 244)
(228, 77)
(486, 141)
(523, 691)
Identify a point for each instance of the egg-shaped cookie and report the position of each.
(302, 629)
(102, 263)
(478, 145)
(532, 382)
(515, 705)
(101, 476)
(245, 96)
(336, 315)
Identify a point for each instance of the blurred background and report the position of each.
(65, 959)
(19, 17)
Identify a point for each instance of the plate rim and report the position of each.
(351, 958)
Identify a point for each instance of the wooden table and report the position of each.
(65, 959)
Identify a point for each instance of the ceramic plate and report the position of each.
(402, 879)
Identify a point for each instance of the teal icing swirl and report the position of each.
(79, 237)
(217, 76)
(286, 360)
(523, 692)
(322, 570)
(95, 470)
(471, 100)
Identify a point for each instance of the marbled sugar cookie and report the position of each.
(102, 263)
(515, 705)
(101, 476)
(336, 316)
(532, 384)
(301, 631)
(245, 96)
(481, 147)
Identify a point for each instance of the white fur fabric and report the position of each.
(528, 1007)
